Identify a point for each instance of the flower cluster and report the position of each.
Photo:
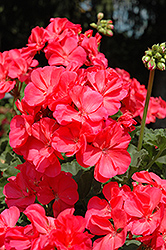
(155, 57)
(44, 232)
(121, 214)
(29, 184)
(68, 110)
(140, 212)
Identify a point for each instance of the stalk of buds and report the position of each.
(103, 26)
(155, 57)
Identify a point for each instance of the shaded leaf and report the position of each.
(131, 245)
(137, 157)
(85, 183)
(72, 167)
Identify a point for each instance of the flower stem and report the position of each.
(149, 91)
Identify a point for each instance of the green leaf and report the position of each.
(85, 183)
(131, 245)
(156, 137)
(154, 142)
(3, 182)
(137, 157)
(72, 167)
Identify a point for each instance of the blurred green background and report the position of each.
(138, 25)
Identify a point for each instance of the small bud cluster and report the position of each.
(155, 57)
(103, 26)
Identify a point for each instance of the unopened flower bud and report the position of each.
(161, 66)
(109, 21)
(109, 33)
(103, 26)
(151, 64)
(100, 29)
(110, 26)
(93, 25)
(163, 46)
(155, 47)
(149, 52)
(162, 60)
(145, 59)
(100, 16)
(103, 21)
(158, 56)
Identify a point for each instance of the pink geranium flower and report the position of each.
(38, 38)
(114, 234)
(65, 232)
(88, 108)
(59, 28)
(6, 83)
(43, 83)
(70, 138)
(19, 238)
(108, 152)
(20, 130)
(8, 219)
(39, 150)
(152, 179)
(65, 52)
(109, 85)
(18, 193)
(61, 189)
(145, 210)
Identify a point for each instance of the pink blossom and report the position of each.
(8, 219)
(18, 193)
(145, 210)
(88, 103)
(39, 150)
(43, 82)
(64, 53)
(62, 189)
(109, 85)
(59, 28)
(38, 38)
(108, 152)
(114, 234)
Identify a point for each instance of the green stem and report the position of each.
(149, 91)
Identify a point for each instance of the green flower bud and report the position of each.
(149, 52)
(160, 50)
(103, 21)
(100, 29)
(158, 56)
(162, 60)
(155, 48)
(161, 66)
(145, 59)
(93, 25)
(163, 45)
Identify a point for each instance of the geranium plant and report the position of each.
(85, 175)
